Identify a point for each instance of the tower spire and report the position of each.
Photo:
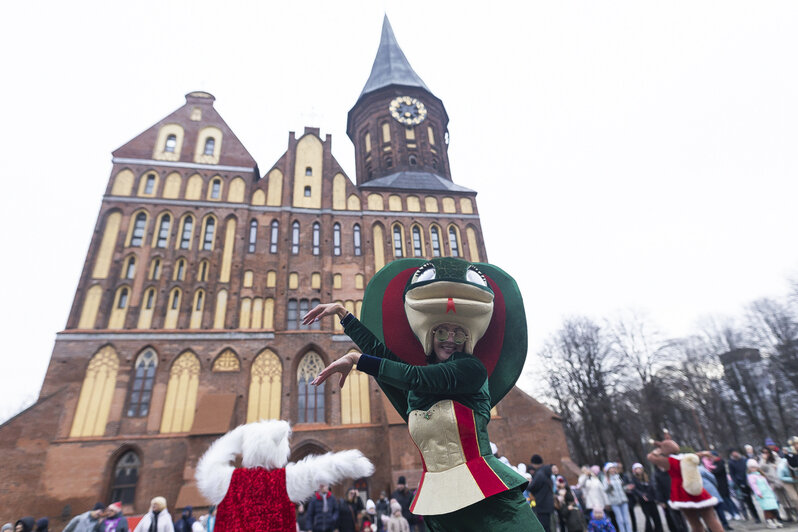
(391, 67)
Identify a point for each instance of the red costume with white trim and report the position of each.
(679, 498)
(256, 500)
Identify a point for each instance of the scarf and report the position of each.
(154, 522)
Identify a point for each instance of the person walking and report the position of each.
(542, 490)
(616, 495)
(87, 521)
(738, 473)
(644, 492)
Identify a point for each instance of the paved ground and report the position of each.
(738, 526)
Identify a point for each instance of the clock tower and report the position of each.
(399, 127)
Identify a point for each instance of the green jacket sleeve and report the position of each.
(462, 376)
(366, 341)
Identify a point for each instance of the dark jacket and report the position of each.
(317, 519)
(404, 500)
(737, 471)
(643, 490)
(27, 524)
(720, 476)
(347, 514)
(662, 485)
(541, 488)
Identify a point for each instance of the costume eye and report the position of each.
(424, 273)
(475, 276)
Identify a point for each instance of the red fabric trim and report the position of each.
(418, 490)
(256, 500)
(468, 431)
(487, 479)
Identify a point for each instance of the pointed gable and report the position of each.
(193, 134)
(391, 67)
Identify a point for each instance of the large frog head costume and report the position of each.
(406, 299)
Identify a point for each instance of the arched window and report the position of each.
(336, 239)
(253, 235)
(149, 185)
(180, 270)
(171, 143)
(210, 144)
(122, 303)
(356, 238)
(308, 170)
(130, 268)
(311, 398)
(454, 245)
(264, 387)
(202, 271)
(195, 322)
(163, 231)
(96, 394)
(185, 235)
(291, 315)
(173, 309)
(274, 236)
(397, 241)
(435, 241)
(216, 188)
(412, 160)
(126, 476)
(175, 299)
(147, 305)
(295, 238)
(418, 250)
(316, 237)
(388, 162)
(149, 299)
(143, 379)
(307, 191)
(155, 269)
(181, 394)
(138, 230)
(207, 238)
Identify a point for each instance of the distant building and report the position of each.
(186, 319)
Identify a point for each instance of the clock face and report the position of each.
(408, 111)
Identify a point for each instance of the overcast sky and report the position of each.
(627, 154)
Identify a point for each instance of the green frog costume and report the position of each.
(447, 404)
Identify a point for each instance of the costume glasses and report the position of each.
(444, 334)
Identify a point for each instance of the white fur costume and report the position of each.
(265, 444)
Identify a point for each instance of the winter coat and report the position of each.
(762, 492)
(348, 512)
(600, 525)
(82, 523)
(592, 492)
(541, 488)
(785, 474)
(644, 490)
(613, 487)
(662, 486)
(737, 471)
(316, 519)
(27, 524)
(722, 480)
(404, 498)
(397, 523)
(710, 484)
(770, 470)
(163, 521)
(115, 525)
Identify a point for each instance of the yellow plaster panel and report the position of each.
(430, 135)
(257, 313)
(226, 362)
(275, 198)
(410, 133)
(353, 203)
(94, 403)
(173, 309)
(181, 394)
(379, 248)
(466, 207)
(259, 197)
(309, 154)
(245, 314)
(367, 143)
(107, 245)
(194, 187)
(293, 280)
(375, 202)
(413, 204)
(249, 275)
(386, 132)
(123, 183)
(235, 193)
(221, 310)
(473, 248)
(171, 187)
(430, 204)
(358, 306)
(359, 281)
(339, 192)
(195, 321)
(265, 387)
(268, 313)
(355, 407)
(91, 304)
(227, 254)
(337, 279)
(117, 318)
(315, 280)
(394, 203)
(159, 152)
(448, 205)
(337, 323)
(271, 279)
(199, 150)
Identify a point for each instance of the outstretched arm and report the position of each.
(215, 468)
(658, 458)
(305, 476)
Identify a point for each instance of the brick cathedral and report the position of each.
(185, 322)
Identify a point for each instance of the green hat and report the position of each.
(499, 336)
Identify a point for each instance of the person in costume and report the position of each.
(451, 344)
(687, 489)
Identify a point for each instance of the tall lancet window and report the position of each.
(311, 398)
